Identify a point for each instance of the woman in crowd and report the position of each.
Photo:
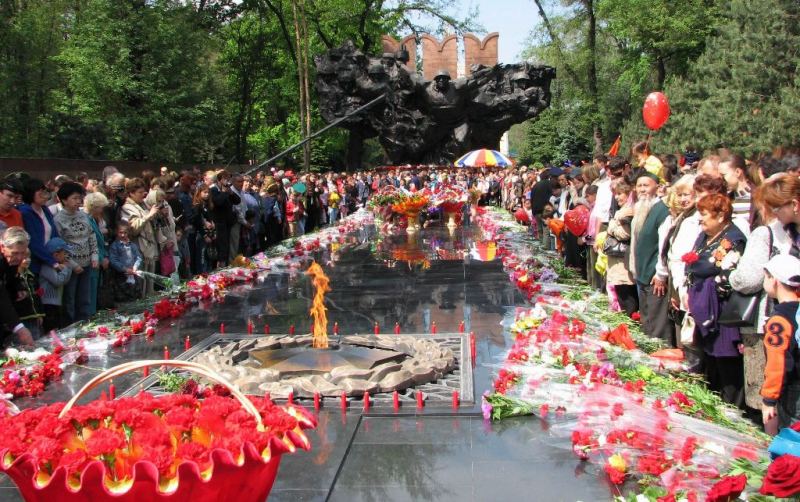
(223, 199)
(618, 274)
(164, 225)
(94, 205)
(75, 228)
(714, 256)
(779, 205)
(680, 240)
(201, 220)
(38, 222)
(139, 218)
(16, 324)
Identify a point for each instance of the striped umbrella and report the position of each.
(483, 158)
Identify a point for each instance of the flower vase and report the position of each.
(413, 223)
(451, 219)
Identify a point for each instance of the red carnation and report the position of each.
(727, 488)
(795, 426)
(104, 441)
(690, 257)
(783, 477)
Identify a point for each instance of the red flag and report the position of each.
(615, 146)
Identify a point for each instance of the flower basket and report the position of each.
(171, 448)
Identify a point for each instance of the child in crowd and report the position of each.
(125, 259)
(52, 280)
(781, 389)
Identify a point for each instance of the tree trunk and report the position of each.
(591, 44)
(661, 73)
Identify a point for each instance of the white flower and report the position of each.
(12, 353)
(730, 260)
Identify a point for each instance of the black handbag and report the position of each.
(614, 248)
(740, 310)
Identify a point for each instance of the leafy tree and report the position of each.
(743, 92)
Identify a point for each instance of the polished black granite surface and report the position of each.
(433, 454)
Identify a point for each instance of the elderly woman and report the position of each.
(75, 228)
(714, 256)
(680, 239)
(778, 200)
(139, 217)
(94, 205)
(18, 320)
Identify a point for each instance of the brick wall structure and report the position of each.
(438, 55)
(477, 51)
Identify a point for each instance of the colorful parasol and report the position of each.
(483, 158)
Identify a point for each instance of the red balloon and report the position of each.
(655, 111)
(577, 220)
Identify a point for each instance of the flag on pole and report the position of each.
(615, 146)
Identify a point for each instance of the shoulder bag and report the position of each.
(742, 310)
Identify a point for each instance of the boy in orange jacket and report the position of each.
(781, 389)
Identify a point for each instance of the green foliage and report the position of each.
(742, 93)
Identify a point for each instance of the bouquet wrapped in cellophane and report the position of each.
(170, 448)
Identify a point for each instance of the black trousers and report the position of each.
(726, 376)
(628, 297)
(654, 311)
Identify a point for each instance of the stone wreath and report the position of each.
(426, 361)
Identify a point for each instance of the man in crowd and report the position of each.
(10, 189)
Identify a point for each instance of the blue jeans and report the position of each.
(77, 296)
(332, 214)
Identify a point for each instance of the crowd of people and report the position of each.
(704, 250)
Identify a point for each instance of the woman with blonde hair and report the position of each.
(778, 202)
(164, 224)
(94, 204)
(139, 217)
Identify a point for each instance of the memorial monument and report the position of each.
(426, 121)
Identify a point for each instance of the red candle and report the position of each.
(316, 401)
(146, 371)
(166, 352)
(397, 328)
(344, 401)
(266, 329)
(455, 399)
(433, 328)
(420, 400)
(290, 398)
(336, 328)
(395, 400)
(267, 396)
(366, 401)
(472, 348)
(461, 327)
(249, 327)
(187, 343)
(376, 329)
(291, 329)
(222, 327)
(112, 390)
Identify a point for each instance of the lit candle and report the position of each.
(397, 328)
(455, 399)
(187, 343)
(266, 329)
(291, 329)
(316, 401)
(166, 352)
(366, 401)
(336, 328)
(344, 401)
(433, 328)
(461, 327)
(395, 400)
(146, 371)
(472, 348)
(420, 400)
(222, 327)
(290, 397)
(112, 390)
(376, 329)
(249, 327)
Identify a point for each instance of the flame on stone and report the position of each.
(318, 311)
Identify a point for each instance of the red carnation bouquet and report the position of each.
(148, 448)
